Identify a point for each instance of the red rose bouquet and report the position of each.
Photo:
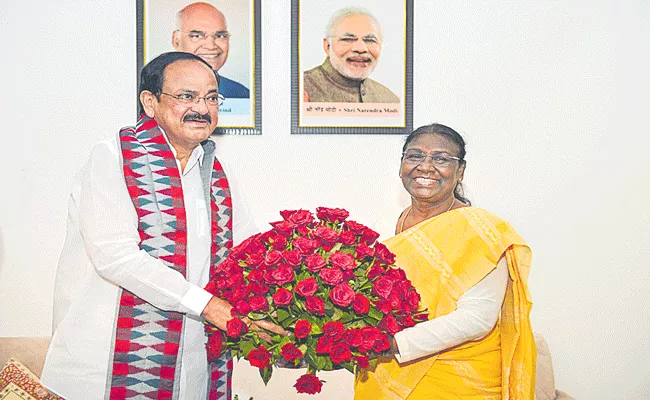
(326, 280)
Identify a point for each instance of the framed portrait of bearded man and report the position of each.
(226, 35)
(352, 66)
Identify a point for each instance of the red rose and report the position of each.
(305, 245)
(242, 307)
(363, 251)
(236, 327)
(331, 276)
(257, 287)
(290, 352)
(333, 330)
(254, 260)
(283, 274)
(384, 306)
(369, 335)
(273, 258)
(293, 257)
(347, 238)
(390, 325)
(283, 227)
(394, 300)
(369, 236)
(353, 337)
(343, 261)
(354, 226)
(211, 287)
(315, 305)
(278, 242)
(334, 215)
(282, 297)
(302, 329)
(324, 345)
(259, 303)
(362, 361)
(213, 346)
(340, 352)
(326, 234)
(315, 262)
(259, 357)
(397, 274)
(298, 217)
(407, 321)
(342, 294)
(382, 344)
(239, 293)
(382, 253)
(308, 383)
(307, 287)
(382, 287)
(375, 271)
(361, 304)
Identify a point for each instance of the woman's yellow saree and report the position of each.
(444, 257)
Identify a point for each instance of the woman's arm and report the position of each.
(477, 312)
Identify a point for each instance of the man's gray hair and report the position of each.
(341, 14)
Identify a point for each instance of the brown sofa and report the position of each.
(31, 353)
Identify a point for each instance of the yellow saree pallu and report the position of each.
(444, 257)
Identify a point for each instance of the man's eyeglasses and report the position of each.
(439, 159)
(349, 40)
(199, 36)
(211, 100)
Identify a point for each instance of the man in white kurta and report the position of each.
(101, 252)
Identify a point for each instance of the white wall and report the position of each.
(550, 97)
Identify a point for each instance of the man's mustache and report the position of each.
(196, 116)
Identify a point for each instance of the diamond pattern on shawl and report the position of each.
(148, 339)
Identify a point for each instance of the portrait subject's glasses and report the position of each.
(211, 100)
(199, 36)
(439, 159)
(349, 40)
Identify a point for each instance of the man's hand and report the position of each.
(217, 312)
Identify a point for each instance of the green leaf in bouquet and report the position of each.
(373, 363)
(315, 329)
(333, 250)
(338, 314)
(329, 365)
(376, 314)
(311, 357)
(283, 315)
(256, 316)
(349, 366)
(303, 348)
(303, 275)
(321, 362)
(347, 317)
(266, 374)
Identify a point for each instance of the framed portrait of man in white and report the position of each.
(226, 34)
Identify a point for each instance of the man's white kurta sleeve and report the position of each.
(109, 223)
(477, 312)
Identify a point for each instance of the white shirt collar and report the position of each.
(196, 156)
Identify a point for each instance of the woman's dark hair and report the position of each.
(443, 130)
(153, 74)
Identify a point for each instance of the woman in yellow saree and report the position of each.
(471, 269)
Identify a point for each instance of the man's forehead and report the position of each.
(357, 25)
(207, 21)
(189, 75)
